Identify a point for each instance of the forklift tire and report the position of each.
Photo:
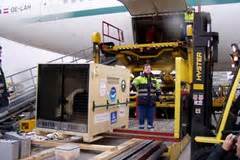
(203, 153)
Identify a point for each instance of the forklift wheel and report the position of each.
(203, 153)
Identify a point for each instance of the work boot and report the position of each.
(150, 128)
(141, 127)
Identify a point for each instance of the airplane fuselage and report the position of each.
(65, 26)
(61, 26)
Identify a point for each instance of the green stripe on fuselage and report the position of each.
(210, 2)
(99, 11)
(75, 14)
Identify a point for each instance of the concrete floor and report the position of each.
(160, 125)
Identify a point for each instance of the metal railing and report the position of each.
(112, 32)
(22, 85)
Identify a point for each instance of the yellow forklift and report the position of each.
(173, 38)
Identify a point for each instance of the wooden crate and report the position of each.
(63, 90)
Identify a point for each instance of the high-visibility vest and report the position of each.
(148, 89)
(189, 17)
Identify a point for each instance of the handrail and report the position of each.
(68, 55)
(107, 26)
(22, 86)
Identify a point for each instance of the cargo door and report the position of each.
(148, 7)
(49, 97)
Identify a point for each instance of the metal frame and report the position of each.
(225, 115)
(204, 55)
(108, 26)
(182, 64)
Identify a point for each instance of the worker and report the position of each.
(235, 56)
(229, 150)
(151, 34)
(148, 89)
(4, 101)
(0, 55)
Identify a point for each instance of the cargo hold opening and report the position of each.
(164, 28)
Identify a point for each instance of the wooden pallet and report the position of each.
(107, 151)
(86, 137)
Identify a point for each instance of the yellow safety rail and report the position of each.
(228, 105)
(148, 45)
(182, 75)
(218, 138)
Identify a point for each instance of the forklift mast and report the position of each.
(205, 53)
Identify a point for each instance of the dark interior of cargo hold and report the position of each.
(63, 95)
(164, 28)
